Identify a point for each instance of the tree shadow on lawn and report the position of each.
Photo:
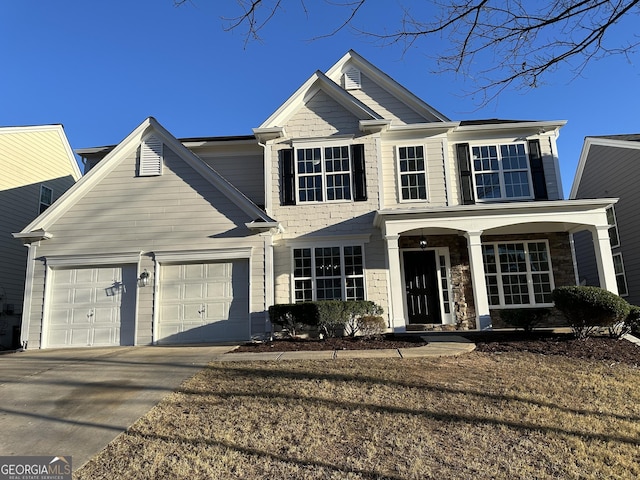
(290, 374)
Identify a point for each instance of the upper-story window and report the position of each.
(312, 174)
(46, 198)
(412, 173)
(501, 172)
(614, 238)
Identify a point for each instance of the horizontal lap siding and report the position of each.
(549, 161)
(245, 172)
(176, 211)
(612, 172)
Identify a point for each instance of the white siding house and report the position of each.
(353, 188)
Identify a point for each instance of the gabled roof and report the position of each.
(33, 156)
(118, 154)
(318, 81)
(386, 82)
(631, 141)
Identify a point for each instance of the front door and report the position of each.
(421, 280)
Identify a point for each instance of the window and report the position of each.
(518, 273)
(412, 172)
(323, 174)
(328, 273)
(501, 172)
(614, 238)
(621, 279)
(46, 198)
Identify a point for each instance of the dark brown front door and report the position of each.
(421, 279)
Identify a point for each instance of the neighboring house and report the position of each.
(353, 188)
(37, 165)
(608, 166)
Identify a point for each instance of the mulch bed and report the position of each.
(543, 343)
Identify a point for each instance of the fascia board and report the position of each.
(388, 83)
(69, 151)
(541, 127)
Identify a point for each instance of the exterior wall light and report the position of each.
(143, 280)
(423, 242)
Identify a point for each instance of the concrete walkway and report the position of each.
(73, 402)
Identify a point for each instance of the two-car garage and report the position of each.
(193, 301)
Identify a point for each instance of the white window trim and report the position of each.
(500, 173)
(343, 141)
(623, 274)
(399, 173)
(40, 202)
(529, 273)
(343, 275)
(614, 226)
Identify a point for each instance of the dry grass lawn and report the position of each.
(477, 416)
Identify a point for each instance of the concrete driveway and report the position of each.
(75, 401)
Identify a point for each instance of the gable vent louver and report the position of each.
(352, 79)
(150, 157)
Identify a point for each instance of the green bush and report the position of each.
(332, 317)
(588, 308)
(633, 320)
(525, 318)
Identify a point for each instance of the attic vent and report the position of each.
(352, 79)
(150, 157)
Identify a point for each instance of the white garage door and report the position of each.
(92, 306)
(204, 302)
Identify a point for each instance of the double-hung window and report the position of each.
(328, 273)
(324, 173)
(614, 237)
(46, 198)
(412, 173)
(518, 273)
(501, 172)
(621, 279)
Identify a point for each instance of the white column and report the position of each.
(481, 300)
(396, 285)
(604, 259)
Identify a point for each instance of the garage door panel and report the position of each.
(87, 303)
(204, 293)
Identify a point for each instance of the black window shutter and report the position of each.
(288, 177)
(464, 166)
(537, 171)
(359, 176)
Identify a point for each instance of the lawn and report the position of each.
(476, 416)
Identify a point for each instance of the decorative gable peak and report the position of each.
(352, 79)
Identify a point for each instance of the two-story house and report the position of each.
(354, 188)
(37, 165)
(608, 166)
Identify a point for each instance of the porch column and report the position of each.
(396, 284)
(481, 300)
(604, 259)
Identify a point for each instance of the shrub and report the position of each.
(525, 318)
(633, 319)
(371, 325)
(588, 308)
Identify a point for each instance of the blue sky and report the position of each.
(101, 67)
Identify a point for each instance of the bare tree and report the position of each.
(496, 43)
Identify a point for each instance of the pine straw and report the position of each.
(477, 416)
